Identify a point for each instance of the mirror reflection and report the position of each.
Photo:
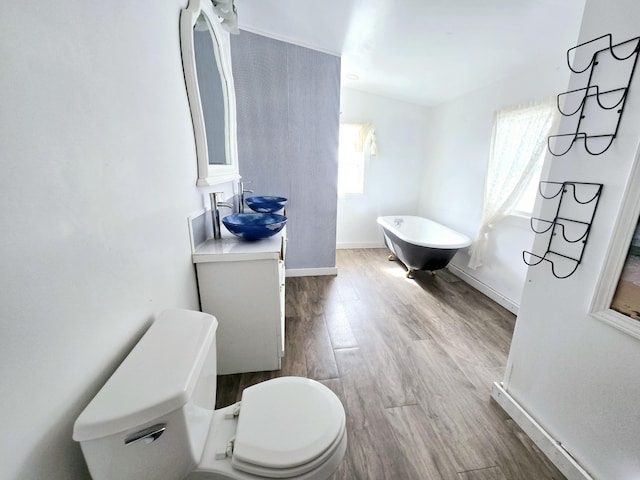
(212, 91)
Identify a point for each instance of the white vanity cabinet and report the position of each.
(242, 284)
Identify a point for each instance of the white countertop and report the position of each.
(231, 248)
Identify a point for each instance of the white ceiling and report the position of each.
(423, 51)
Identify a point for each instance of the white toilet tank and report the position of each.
(151, 419)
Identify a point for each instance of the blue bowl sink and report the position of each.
(254, 226)
(266, 204)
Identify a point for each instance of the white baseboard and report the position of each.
(485, 289)
(545, 442)
(310, 272)
(350, 245)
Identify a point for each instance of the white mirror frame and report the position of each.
(209, 174)
(616, 256)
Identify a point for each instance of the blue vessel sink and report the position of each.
(266, 203)
(254, 226)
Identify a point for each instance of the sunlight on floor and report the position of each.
(397, 270)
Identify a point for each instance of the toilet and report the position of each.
(155, 416)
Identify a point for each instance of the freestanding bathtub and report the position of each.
(420, 243)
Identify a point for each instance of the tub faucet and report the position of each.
(242, 192)
(215, 213)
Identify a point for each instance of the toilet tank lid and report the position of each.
(157, 377)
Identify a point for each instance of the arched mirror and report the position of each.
(206, 60)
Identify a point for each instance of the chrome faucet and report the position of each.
(215, 213)
(242, 192)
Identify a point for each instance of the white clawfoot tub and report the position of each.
(420, 243)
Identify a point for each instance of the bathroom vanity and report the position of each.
(241, 283)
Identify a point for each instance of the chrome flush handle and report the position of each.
(148, 435)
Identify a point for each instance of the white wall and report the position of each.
(392, 177)
(577, 376)
(98, 177)
(457, 153)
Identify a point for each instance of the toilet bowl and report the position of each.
(155, 416)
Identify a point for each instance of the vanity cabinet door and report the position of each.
(247, 298)
(281, 277)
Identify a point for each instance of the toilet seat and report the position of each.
(287, 427)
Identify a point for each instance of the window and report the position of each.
(518, 146)
(356, 142)
(350, 161)
(520, 141)
(525, 204)
(528, 198)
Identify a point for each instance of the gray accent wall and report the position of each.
(288, 114)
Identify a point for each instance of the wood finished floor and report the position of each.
(413, 362)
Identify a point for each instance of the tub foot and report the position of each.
(391, 257)
(410, 273)
(433, 273)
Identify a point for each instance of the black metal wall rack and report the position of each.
(567, 236)
(593, 96)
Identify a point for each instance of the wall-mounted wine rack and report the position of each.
(569, 229)
(594, 99)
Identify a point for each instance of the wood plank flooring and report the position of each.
(413, 362)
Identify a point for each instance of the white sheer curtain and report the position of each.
(518, 144)
(367, 138)
(357, 142)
